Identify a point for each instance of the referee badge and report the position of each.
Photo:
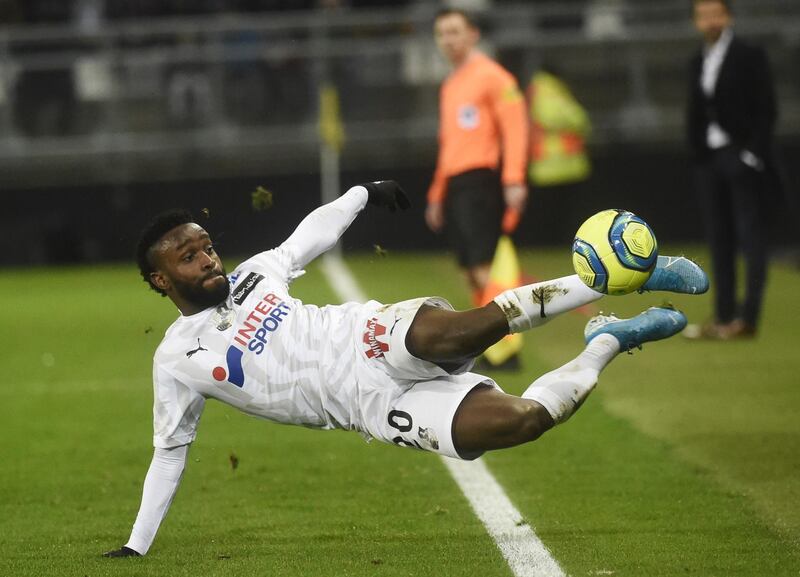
(468, 117)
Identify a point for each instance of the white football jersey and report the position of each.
(262, 352)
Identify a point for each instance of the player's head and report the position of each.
(177, 259)
(712, 17)
(456, 34)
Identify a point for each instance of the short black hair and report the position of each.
(469, 18)
(727, 3)
(151, 234)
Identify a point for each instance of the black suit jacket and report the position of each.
(743, 103)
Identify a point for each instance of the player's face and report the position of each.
(455, 37)
(189, 269)
(711, 18)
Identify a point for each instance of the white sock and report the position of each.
(532, 305)
(563, 390)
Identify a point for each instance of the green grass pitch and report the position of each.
(685, 461)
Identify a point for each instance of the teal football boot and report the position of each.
(654, 324)
(677, 274)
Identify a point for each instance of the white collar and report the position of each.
(722, 43)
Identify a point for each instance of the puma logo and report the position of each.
(197, 350)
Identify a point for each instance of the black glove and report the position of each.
(123, 552)
(387, 193)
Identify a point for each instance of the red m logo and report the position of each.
(376, 348)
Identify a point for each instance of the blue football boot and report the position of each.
(677, 274)
(654, 324)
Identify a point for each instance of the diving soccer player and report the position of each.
(397, 372)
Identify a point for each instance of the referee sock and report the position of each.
(563, 390)
(532, 305)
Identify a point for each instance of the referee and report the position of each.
(480, 171)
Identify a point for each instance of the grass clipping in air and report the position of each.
(261, 199)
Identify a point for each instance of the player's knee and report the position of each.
(528, 420)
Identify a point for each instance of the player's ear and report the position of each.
(159, 280)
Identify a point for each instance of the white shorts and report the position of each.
(406, 400)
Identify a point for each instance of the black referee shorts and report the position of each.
(474, 209)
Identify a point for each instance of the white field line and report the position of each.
(341, 280)
(524, 552)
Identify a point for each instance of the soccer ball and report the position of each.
(614, 252)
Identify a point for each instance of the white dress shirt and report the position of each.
(713, 58)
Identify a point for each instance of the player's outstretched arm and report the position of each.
(322, 228)
(160, 486)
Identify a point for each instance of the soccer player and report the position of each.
(396, 372)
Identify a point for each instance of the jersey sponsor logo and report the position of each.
(235, 373)
(253, 336)
(468, 117)
(246, 287)
(377, 348)
(265, 318)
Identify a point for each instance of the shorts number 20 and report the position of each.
(403, 422)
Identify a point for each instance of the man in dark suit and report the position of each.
(731, 115)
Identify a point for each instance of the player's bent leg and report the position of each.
(532, 305)
(489, 419)
(444, 336)
(562, 391)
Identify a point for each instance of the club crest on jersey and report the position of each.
(223, 317)
(252, 335)
(376, 348)
(468, 117)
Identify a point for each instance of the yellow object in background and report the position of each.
(331, 128)
(504, 274)
(559, 128)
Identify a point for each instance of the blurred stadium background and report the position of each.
(111, 110)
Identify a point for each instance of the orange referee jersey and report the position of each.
(481, 119)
